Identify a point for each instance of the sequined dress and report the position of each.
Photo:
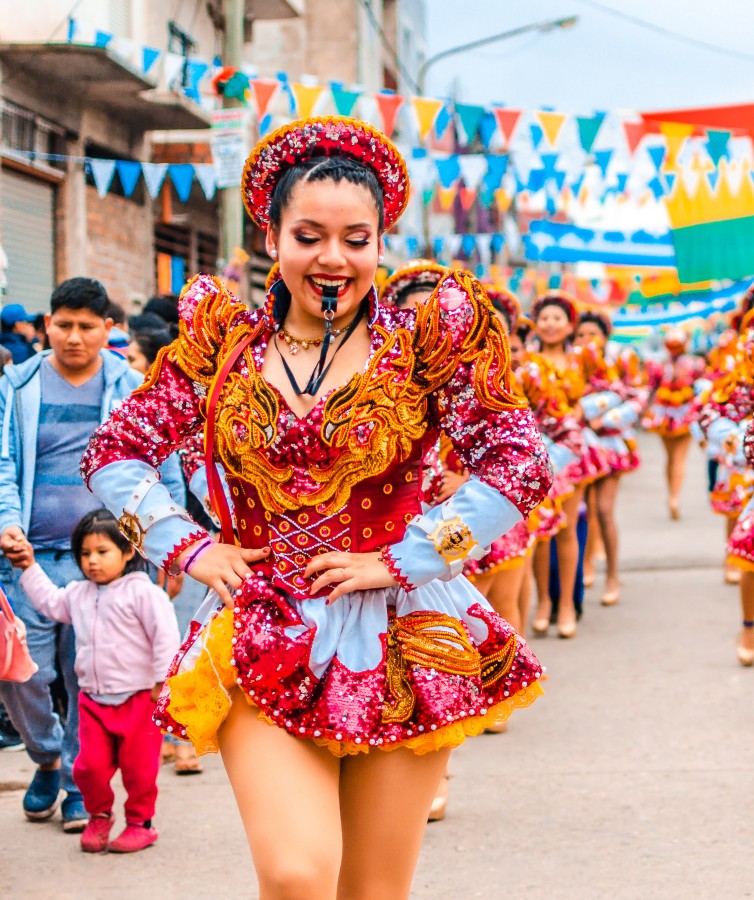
(420, 665)
(671, 409)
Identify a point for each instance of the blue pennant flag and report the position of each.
(195, 71)
(537, 133)
(149, 56)
(657, 155)
(442, 121)
(497, 242)
(603, 158)
(497, 166)
(102, 38)
(487, 127)
(717, 145)
(129, 173)
(468, 244)
(448, 170)
(182, 176)
(438, 245)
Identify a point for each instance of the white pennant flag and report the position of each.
(484, 249)
(453, 245)
(154, 175)
(172, 70)
(473, 168)
(205, 175)
(102, 173)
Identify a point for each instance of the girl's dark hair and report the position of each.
(151, 341)
(594, 318)
(102, 521)
(416, 287)
(326, 168)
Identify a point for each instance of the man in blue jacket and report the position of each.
(49, 407)
(17, 332)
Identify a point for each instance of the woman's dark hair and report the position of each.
(594, 318)
(116, 313)
(81, 293)
(326, 168)
(102, 521)
(415, 287)
(146, 321)
(151, 341)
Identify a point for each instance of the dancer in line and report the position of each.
(671, 410)
(339, 626)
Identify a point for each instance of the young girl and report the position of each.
(341, 654)
(126, 636)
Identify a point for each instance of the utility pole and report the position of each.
(230, 199)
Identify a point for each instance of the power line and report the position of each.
(367, 6)
(666, 32)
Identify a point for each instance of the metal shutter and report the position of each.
(27, 232)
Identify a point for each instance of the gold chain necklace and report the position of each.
(295, 344)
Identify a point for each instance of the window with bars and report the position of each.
(25, 131)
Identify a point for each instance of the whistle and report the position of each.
(330, 301)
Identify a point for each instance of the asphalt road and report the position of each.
(629, 780)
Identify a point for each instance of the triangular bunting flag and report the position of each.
(389, 106)
(182, 176)
(602, 158)
(263, 92)
(588, 129)
(507, 119)
(497, 242)
(102, 38)
(102, 173)
(428, 195)
(448, 170)
(444, 118)
(438, 245)
(657, 155)
(717, 145)
(503, 200)
(172, 70)
(426, 109)
(469, 117)
(713, 178)
(149, 56)
(634, 132)
(468, 244)
(537, 133)
(447, 196)
(552, 124)
(344, 101)
(205, 175)
(129, 173)
(487, 128)
(467, 197)
(676, 134)
(473, 168)
(195, 71)
(154, 175)
(497, 166)
(306, 96)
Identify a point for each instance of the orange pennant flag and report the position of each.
(389, 106)
(427, 109)
(506, 119)
(552, 124)
(263, 91)
(447, 197)
(503, 200)
(676, 134)
(468, 196)
(306, 95)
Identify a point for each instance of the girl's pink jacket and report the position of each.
(126, 631)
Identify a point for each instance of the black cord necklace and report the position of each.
(329, 306)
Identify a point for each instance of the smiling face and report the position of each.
(553, 326)
(589, 333)
(328, 236)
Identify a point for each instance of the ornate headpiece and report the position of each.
(599, 318)
(414, 274)
(506, 302)
(324, 136)
(561, 299)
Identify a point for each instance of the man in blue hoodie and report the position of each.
(17, 332)
(49, 407)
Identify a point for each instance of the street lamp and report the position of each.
(543, 27)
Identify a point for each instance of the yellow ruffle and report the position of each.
(201, 697)
(740, 563)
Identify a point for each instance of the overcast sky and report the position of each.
(603, 62)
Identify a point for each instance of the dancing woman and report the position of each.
(671, 410)
(337, 629)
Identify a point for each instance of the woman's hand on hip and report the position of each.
(223, 567)
(349, 572)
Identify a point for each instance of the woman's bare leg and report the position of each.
(567, 544)
(593, 540)
(384, 802)
(677, 449)
(605, 495)
(483, 583)
(524, 594)
(731, 574)
(746, 639)
(541, 567)
(287, 791)
(503, 595)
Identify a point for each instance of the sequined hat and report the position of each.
(323, 136)
(599, 318)
(506, 302)
(564, 300)
(416, 273)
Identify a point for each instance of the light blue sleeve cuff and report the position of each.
(484, 510)
(696, 431)
(622, 416)
(718, 432)
(701, 385)
(115, 485)
(172, 477)
(596, 405)
(560, 455)
(199, 487)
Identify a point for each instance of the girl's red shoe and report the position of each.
(133, 838)
(95, 835)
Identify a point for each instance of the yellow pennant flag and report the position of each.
(447, 197)
(305, 95)
(503, 200)
(427, 110)
(676, 134)
(552, 124)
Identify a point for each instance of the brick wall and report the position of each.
(120, 246)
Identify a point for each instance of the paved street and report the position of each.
(630, 779)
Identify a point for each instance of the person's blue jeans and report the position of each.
(29, 705)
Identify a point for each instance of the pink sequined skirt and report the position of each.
(592, 464)
(507, 552)
(669, 421)
(732, 491)
(374, 670)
